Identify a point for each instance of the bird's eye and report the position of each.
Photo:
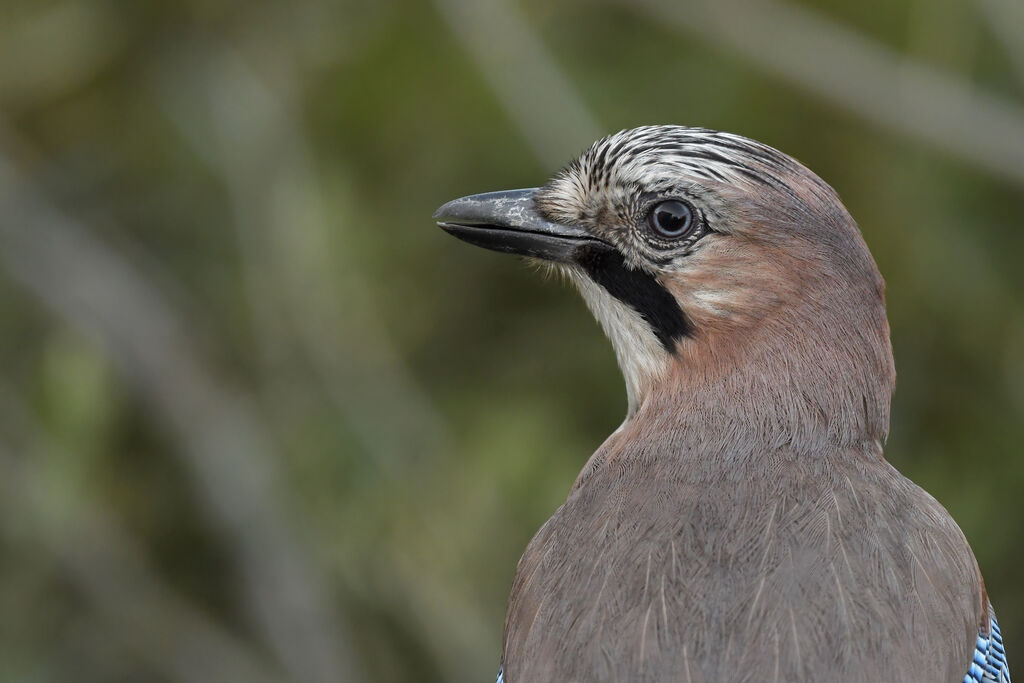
(672, 219)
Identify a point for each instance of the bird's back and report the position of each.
(696, 568)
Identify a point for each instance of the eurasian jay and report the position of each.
(742, 524)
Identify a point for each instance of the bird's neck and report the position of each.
(808, 382)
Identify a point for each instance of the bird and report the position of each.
(742, 524)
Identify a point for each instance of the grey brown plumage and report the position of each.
(719, 569)
(742, 524)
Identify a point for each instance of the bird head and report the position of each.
(736, 289)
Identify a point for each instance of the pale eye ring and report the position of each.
(671, 219)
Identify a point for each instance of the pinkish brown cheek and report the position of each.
(724, 298)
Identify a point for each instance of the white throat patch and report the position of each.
(640, 355)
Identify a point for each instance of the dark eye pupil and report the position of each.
(672, 218)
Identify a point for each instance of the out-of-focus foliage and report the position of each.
(261, 420)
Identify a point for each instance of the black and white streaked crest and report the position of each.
(697, 163)
(646, 153)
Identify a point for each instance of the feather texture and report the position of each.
(989, 662)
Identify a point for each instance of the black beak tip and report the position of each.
(450, 228)
(446, 210)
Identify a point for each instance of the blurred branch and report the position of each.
(105, 563)
(538, 96)
(1006, 19)
(246, 130)
(221, 441)
(858, 74)
(248, 133)
(802, 47)
(945, 35)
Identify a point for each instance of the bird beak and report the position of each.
(508, 221)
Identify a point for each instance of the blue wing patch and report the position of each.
(501, 680)
(989, 657)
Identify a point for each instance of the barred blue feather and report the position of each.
(501, 680)
(989, 657)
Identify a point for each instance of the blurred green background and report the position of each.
(260, 420)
